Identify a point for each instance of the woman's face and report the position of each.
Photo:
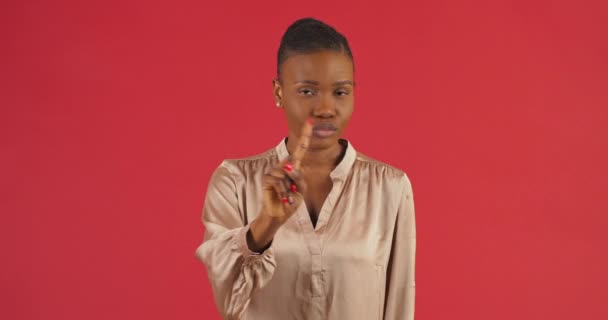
(320, 86)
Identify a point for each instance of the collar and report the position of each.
(343, 168)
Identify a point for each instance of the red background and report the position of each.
(115, 113)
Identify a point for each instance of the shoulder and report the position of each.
(391, 174)
(239, 167)
(365, 162)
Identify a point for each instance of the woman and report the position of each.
(311, 229)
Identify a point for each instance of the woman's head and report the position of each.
(315, 79)
(309, 35)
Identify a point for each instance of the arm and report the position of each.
(235, 272)
(400, 280)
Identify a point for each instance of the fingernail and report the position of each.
(291, 200)
(309, 121)
(285, 200)
(294, 188)
(288, 167)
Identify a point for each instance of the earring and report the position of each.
(278, 104)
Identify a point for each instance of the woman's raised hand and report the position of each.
(283, 186)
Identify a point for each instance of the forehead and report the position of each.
(322, 66)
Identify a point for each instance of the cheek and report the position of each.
(346, 106)
(300, 106)
(296, 112)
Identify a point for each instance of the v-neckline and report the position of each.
(324, 212)
(313, 234)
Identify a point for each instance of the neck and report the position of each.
(321, 158)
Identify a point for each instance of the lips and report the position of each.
(324, 130)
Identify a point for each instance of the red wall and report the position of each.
(115, 113)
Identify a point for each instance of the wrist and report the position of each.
(262, 231)
(269, 222)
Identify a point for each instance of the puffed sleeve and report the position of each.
(234, 271)
(401, 284)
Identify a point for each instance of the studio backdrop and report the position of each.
(115, 113)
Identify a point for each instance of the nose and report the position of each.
(326, 108)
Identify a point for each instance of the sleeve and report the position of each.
(235, 272)
(400, 280)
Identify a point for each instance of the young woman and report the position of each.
(311, 229)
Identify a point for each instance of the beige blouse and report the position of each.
(357, 263)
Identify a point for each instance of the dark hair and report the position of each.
(308, 35)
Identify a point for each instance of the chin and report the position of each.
(323, 142)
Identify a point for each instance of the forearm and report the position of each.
(261, 232)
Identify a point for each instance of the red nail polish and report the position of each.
(309, 121)
(294, 188)
(285, 200)
(288, 167)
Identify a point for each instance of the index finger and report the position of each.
(303, 143)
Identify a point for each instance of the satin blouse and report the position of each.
(358, 262)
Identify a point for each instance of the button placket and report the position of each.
(317, 284)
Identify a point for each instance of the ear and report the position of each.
(277, 91)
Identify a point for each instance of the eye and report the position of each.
(306, 91)
(342, 92)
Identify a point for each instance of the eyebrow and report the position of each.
(316, 83)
